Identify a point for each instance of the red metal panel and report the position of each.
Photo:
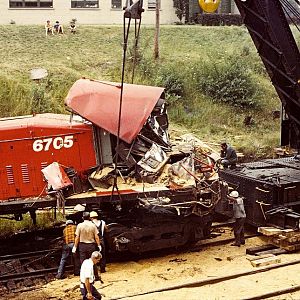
(28, 144)
(99, 103)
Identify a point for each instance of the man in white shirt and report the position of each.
(87, 277)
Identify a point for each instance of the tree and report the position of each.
(156, 37)
(182, 9)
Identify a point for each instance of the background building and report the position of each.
(28, 12)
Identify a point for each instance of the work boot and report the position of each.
(235, 244)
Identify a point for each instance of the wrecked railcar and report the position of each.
(153, 192)
(157, 194)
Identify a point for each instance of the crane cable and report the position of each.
(136, 38)
(132, 11)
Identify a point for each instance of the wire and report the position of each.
(136, 36)
(125, 38)
(136, 15)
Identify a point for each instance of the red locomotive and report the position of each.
(30, 143)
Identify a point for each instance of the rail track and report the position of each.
(22, 271)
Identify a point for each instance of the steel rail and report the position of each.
(27, 254)
(32, 274)
(274, 293)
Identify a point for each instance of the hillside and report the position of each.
(213, 75)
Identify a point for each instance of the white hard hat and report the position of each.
(69, 222)
(79, 207)
(234, 194)
(93, 214)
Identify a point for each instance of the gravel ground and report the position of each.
(134, 277)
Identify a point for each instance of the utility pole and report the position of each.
(156, 36)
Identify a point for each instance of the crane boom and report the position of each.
(275, 43)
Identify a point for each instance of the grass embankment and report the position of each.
(45, 219)
(213, 75)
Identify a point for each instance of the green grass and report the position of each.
(96, 52)
(45, 219)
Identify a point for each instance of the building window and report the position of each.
(84, 4)
(116, 3)
(30, 3)
(152, 4)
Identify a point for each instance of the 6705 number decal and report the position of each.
(56, 143)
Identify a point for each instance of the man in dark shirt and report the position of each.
(228, 156)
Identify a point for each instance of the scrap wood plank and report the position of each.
(275, 241)
(255, 257)
(290, 232)
(275, 251)
(292, 247)
(256, 249)
(294, 238)
(265, 261)
(269, 231)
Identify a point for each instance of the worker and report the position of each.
(87, 277)
(69, 239)
(239, 215)
(77, 216)
(228, 156)
(87, 239)
(102, 228)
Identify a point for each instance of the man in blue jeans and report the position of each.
(69, 239)
(87, 277)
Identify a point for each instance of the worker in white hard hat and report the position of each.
(102, 228)
(240, 217)
(77, 215)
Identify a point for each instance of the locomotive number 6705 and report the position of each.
(56, 143)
